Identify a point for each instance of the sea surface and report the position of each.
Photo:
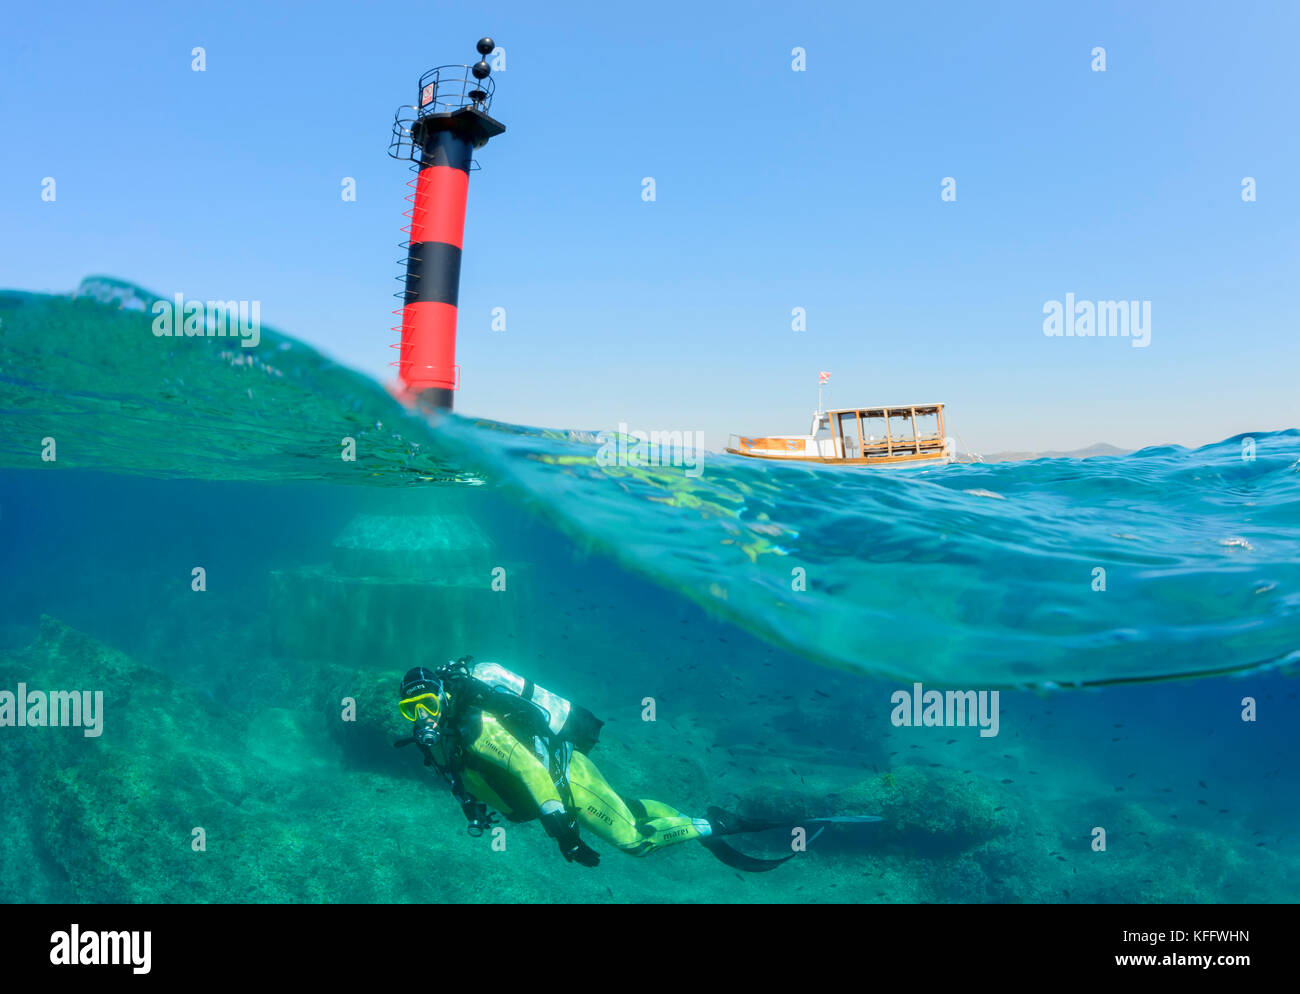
(244, 548)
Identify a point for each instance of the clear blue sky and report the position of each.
(776, 189)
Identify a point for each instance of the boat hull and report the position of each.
(926, 459)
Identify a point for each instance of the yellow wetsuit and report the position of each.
(503, 772)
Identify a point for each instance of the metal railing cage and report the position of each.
(403, 144)
(449, 88)
(442, 91)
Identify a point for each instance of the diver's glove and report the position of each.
(564, 830)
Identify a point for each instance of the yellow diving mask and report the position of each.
(421, 706)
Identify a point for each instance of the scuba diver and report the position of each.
(505, 745)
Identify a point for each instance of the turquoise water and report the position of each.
(769, 611)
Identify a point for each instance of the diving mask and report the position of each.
(421, 706)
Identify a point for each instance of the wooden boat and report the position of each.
(859, 436)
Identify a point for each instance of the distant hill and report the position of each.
(1099, 449)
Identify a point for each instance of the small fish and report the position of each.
(1132, 775)
(1008, 781)
(1203, 803)
(1201, 784)
(820, 693)
(1001, 807)
(950, 741)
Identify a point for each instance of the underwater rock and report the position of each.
(961, 878)
(367, 739)
(112, 819)
(111, 816)
(929, 810)
(779, 804)
(141, 703)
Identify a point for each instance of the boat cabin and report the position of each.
(861, 436)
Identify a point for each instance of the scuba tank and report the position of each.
(566, 721)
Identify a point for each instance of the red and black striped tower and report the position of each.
(438, 135)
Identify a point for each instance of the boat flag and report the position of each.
(823, 377)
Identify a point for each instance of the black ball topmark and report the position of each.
(485, 46)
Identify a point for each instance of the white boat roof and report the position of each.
(881, 407)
